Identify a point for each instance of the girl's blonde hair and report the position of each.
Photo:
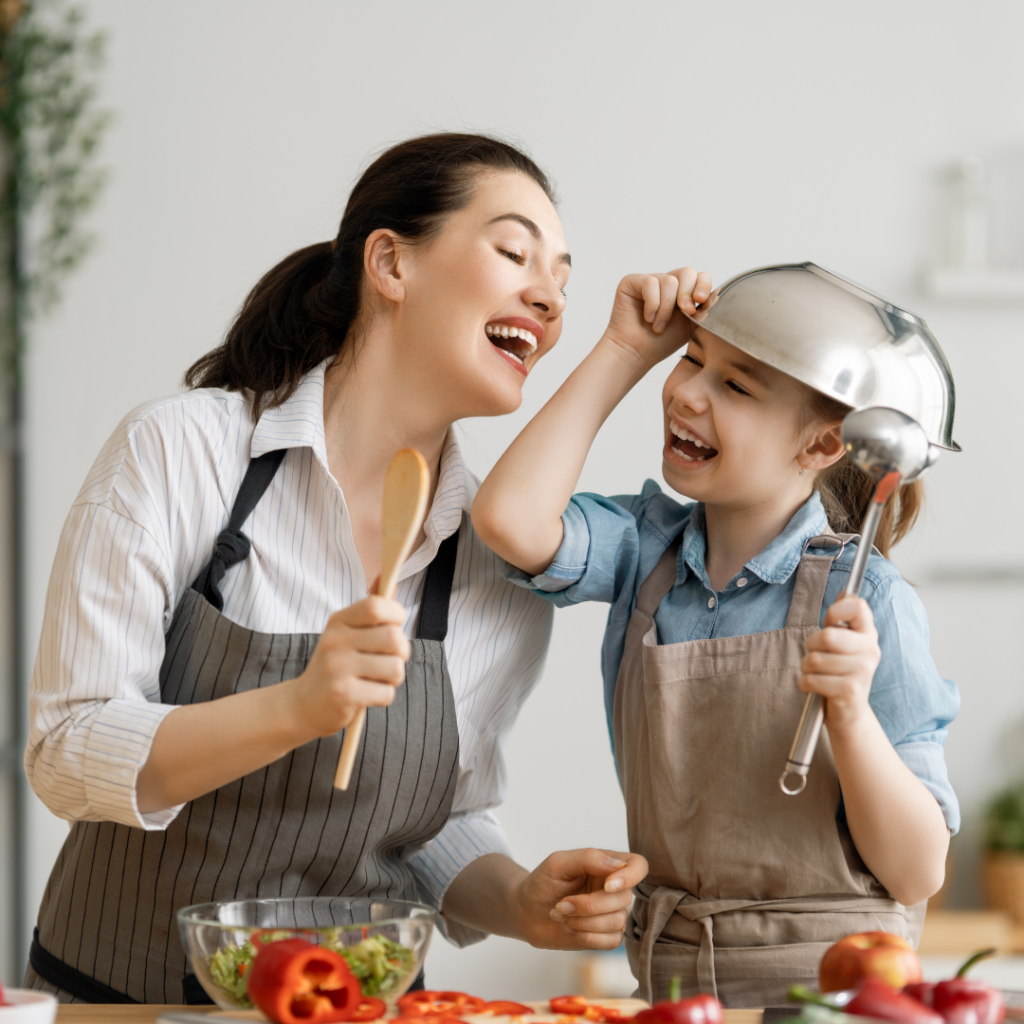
(846, 491)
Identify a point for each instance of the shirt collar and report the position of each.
(298, 422)
(776, 563)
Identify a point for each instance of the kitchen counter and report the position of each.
(118, 1013)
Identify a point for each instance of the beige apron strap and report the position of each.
(660, 582)
(661, 905)
(811, 580)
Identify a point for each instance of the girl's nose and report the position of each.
(690, 394)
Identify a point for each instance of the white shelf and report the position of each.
(975, 285)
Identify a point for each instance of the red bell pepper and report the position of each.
(701, 1009)
(293, 981)
(3, 1002)
(435, 1005)
(961, 1000)
(369, 1008)
(874, 998)
(505, 1008)
(569, 1006)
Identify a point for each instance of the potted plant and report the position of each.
(1004, 862)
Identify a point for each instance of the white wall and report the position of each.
(727, 135)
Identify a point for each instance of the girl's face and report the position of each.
(484, 300)
(734, 432)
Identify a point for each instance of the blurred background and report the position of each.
(882, 140)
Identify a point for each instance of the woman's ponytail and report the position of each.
(301, 311)
(846, 491)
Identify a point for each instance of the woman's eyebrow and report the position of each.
(532, 228)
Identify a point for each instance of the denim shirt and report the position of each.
(611, 545)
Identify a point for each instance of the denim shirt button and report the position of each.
(711, 602)
(742, 581)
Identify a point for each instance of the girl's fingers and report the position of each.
(667, 306)
(594, 904)
(650, 291)
(854, 611)
(367, 694)
(687, 278)
(702, 289)
(596, 923)
(834, 640)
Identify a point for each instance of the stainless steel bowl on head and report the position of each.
(839, 339)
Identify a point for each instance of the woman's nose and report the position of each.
(547, 298)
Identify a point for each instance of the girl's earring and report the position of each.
(803, 471)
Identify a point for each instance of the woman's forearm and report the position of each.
(200, 747)
(896, 824)
(518, 509)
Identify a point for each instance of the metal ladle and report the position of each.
(892, 449)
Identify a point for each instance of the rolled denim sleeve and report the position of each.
(599, 552)
(914, 704)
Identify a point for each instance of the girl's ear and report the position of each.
(825, 448)
(382, 263)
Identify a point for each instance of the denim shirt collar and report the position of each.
(775, 564)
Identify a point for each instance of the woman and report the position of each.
(193, 679)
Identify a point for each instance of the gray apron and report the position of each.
(747, 886)
(107, 929)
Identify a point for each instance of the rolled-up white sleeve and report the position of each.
(465, 837)
(94, 701)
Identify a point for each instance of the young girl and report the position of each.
(722, 612)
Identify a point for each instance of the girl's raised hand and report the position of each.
(840, 663)
(644, 322)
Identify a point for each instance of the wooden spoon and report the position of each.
(406, 487)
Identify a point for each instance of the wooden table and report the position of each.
(118, 1013)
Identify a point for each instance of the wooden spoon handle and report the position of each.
(406, 487)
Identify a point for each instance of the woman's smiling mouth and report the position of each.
(689, 446)
(515, 337)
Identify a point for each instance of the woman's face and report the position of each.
(483, 301)
(734, 432)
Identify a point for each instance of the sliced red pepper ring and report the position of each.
(370, 1008)
(572, 1006)
(436, 1005)
(293, 981)
(419, 1020)
(504, 1008)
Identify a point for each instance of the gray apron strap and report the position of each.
(232, 546)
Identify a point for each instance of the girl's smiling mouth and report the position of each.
(688, 445)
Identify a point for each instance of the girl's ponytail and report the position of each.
(846, 491)
(301, 311)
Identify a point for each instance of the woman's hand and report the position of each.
(840, 663)
(359, 660)
(644, 323)
(579, 899)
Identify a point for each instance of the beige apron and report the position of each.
(747, 887)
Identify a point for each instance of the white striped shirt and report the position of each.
(143, 526)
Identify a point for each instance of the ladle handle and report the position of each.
(801, 752)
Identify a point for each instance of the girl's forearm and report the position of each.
(896, 824)
(518, 509)
(201, 747)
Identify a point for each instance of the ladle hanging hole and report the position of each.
(785, 789)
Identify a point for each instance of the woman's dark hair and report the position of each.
(301, 311)
(846, 491)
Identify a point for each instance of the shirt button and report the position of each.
(711, 602)
(742, 581)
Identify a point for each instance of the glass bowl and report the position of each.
(384, 941)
